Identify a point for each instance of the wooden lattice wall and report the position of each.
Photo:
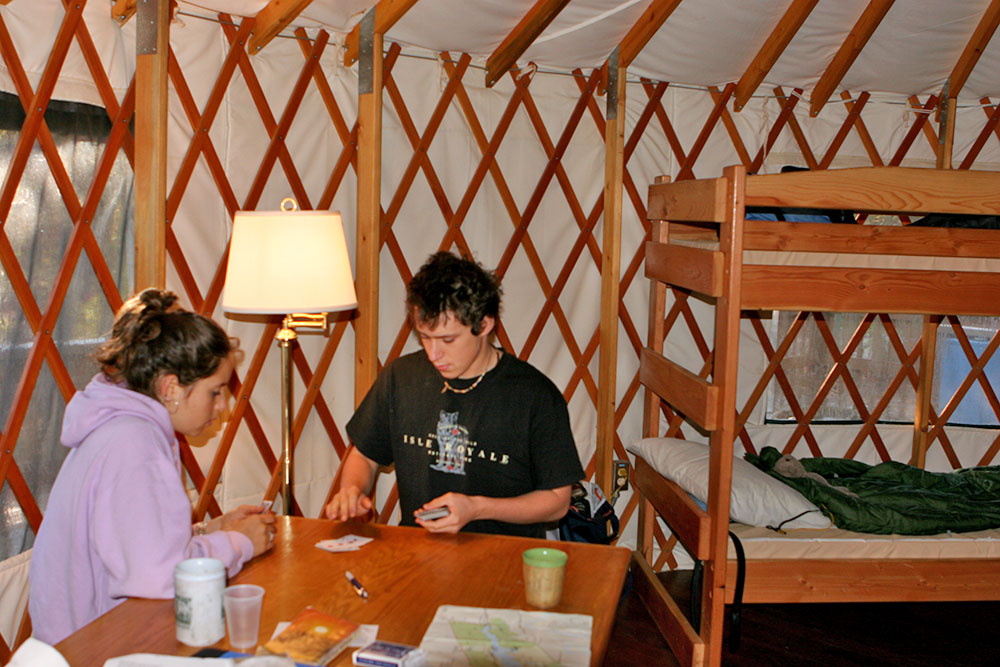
(520, 200)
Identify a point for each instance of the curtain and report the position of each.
(38, 229)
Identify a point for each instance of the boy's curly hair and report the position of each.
(447, 283)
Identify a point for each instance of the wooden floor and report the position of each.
(864, 634)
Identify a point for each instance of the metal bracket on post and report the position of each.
(366, 53)
(612, 88)
(943, 114)
(147, 19)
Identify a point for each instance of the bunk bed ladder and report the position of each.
(691, 217)
(724, 369)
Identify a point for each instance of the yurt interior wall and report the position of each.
(514, 174)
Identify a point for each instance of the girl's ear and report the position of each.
(167, 388)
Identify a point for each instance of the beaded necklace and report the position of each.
(448, 387)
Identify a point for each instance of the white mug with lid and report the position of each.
(198, 586)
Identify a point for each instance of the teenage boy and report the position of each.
(468, 426)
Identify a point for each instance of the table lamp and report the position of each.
(293, 263)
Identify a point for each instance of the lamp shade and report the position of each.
(288, 262)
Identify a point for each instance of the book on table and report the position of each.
(313, 637)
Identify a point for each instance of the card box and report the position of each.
(389, 654)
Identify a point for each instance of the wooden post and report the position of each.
(925, 386)
(152, 39)
(369, 205)
(928, 338)
(614, 165)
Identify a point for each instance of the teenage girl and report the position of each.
(118, 518)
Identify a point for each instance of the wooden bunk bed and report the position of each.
(700, 237)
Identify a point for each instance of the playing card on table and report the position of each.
(345, 543)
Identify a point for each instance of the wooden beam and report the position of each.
(387, 12)
(369, 220)
(521, 37)
(614, 165)
(272, 19)
(856, 40)
(639, 35)
(775, 45)
(152, 47)
(121, 11)
(974, 49)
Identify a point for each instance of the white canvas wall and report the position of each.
(202, 224)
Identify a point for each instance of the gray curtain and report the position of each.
(39, 229)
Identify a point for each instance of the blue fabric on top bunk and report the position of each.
(892, 497)
(786, 215)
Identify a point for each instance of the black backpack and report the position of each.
(585, 523)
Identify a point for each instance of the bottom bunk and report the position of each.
(793, 564)
(834, 565)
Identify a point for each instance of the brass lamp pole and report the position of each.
(285, 337)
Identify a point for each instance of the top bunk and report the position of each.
(833, 267)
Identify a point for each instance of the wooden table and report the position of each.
(408, 573)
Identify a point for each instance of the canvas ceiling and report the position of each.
(703, 42)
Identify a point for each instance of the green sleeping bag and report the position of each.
(892, 497)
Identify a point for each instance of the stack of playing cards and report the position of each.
(345, 543)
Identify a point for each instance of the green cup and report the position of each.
(544, 571)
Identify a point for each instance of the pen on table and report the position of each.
(358, 588)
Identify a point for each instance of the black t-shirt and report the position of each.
(508, 436)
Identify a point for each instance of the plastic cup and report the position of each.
(544, 570)
(198, 585)
(243, 603)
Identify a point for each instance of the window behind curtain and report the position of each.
(38, 229)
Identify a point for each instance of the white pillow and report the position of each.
(757, 498)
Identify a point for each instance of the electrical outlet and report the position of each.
(621, 475)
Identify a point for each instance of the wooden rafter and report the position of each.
(387, 12)
(775, 45)
(121, 11)
(272, 19)
(643, 30)
(521, 37)
(848, 53)
(974, 49)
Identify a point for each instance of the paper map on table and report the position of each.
(478, 636)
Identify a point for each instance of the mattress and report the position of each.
(837, 544)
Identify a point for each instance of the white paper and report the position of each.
(154, 660)
(366, 635)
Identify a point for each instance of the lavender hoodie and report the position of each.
(118, 518)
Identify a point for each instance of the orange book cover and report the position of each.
(313, 636)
